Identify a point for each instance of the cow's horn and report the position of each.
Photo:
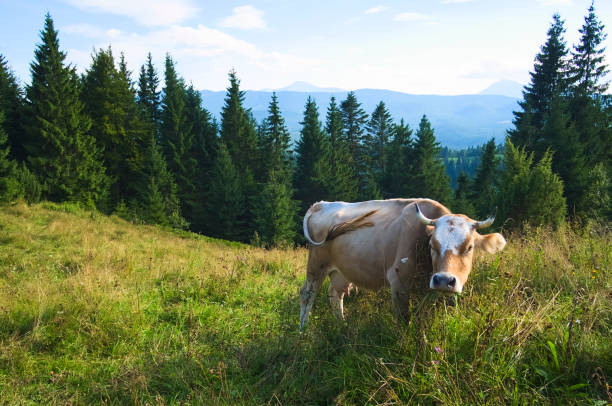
(422, 218)
(486, 223)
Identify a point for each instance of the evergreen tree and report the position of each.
(342, 182)
(12, 104)
(9, 184)
(239, 134)
(379, 130)
(177, 137)
(354, 119)
(275, 141)
(275, 211)
(400, 159)
(149, 97)
(547, 81)
(158, 199)
(462, 203)
(588, 70)
(61, 152)
(203, 150)
(429, 178)
(313, 171)
(530, 193)
(109, 100)
(226, 203)
(587, 75)
(237, 130)
(483, 189)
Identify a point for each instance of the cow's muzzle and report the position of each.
(445, 282)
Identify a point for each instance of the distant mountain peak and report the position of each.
(508, 88)
(301, 86)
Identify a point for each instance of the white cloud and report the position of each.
(245, 18)
(454, 1)
(411, 17)
(555, 2)
(146, 12)
(376, 9)
(203, 55)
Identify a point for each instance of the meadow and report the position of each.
(94, 309)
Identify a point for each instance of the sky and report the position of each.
(446, 47)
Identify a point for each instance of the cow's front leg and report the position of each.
(399, 294)
(308, 294)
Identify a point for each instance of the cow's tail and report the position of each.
(306, 233)
(338, 229)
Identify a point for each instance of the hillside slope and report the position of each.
(94, 309)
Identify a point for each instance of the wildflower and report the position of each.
(438, 349)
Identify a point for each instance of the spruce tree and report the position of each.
(354, 119)
(429, 178)
(121, 134)
(548, 80)
(342, 183)
(379, 130)
(62, 153)
(226, 203)
(12, 105)
(238, 133)
(529, 193)
(483, 189)
(149, 97)
(203, 151)
(9, 183)
(275, 141)
(462, 202)
(177, 137)
(312, 165)
(400, 160)
(587, 105)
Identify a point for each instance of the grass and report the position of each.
(96, 310)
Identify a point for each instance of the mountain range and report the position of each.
(458, 121)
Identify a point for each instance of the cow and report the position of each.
(376, 243)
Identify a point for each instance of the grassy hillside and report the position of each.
(94, 309)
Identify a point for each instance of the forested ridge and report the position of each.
(149, 151)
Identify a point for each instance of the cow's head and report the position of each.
(452, 244)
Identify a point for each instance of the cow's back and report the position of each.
(364, 254)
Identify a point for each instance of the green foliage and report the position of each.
(226, 206)
(12, 105)
(149, 98)
(62, 153)
(275, 212)
(463, 203)
(177, 136)
(484, 186)
(121, 134)
(429, 178)
(379, 130)
(354, 119)
(530, 193)
(313, 169)
(9, 185)
(342, 182)
(400, 160)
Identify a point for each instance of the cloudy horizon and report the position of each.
(445, 47)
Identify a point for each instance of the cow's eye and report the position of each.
(469, 249)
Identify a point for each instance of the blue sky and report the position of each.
(424, 47)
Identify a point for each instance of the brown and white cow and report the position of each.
(376, 243)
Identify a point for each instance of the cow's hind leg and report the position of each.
(338, 286)
(314, 278)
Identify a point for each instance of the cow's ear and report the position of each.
(491, 243)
